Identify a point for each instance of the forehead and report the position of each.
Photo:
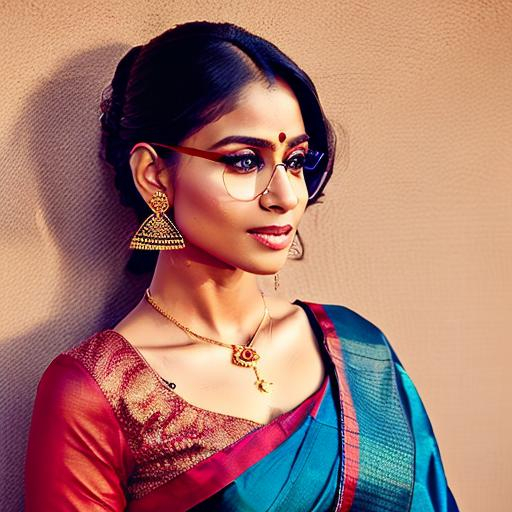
(260, 112)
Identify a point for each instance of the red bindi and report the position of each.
(282, 136)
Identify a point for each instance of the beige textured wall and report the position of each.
(414, 234)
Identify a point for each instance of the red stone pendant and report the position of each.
(247, 357)
(244, 356)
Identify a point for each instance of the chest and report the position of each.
(205, 376)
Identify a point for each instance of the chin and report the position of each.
(264, 270)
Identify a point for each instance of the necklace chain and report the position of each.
(152, 301)
(243, 355)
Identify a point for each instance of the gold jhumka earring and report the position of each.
(158, 232)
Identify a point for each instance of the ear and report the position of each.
(150, 173)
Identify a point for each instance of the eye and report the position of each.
(243, 162)
(296, 161)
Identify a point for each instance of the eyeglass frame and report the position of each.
(216, 156)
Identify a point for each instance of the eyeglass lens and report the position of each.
(245, 177)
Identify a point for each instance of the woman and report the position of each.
(209, 395)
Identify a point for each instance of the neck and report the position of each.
(217, 301)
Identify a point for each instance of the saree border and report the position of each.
(386, 447)
(349, 428)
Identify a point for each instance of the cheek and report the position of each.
(197, 188)
(204, 211)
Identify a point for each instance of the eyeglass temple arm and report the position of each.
(209, 155)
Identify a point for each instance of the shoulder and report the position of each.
(353, 323)
(67, 378)
(100, 345)
(83, 390)
(358, 337)
(346, 322)
(70, 397)
(106, 356)
(83, 370)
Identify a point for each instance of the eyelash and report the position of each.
(232, 159)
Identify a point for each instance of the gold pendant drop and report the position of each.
(263, 385)
(248, 358)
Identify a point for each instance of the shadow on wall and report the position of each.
(88, 229)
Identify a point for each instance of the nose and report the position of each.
(280, 190)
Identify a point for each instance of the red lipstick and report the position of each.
(274, 237)
(272, 230)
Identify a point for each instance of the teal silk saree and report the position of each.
(380, 454)
(362, 442)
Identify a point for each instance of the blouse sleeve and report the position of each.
(77, 456)
(431, 491)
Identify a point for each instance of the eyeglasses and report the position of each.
(246, 175)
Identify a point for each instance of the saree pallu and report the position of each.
(107, 436)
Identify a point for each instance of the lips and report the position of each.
(271, 230)
(275, 242)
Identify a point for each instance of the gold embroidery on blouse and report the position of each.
(166, 435)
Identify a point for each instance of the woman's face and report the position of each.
(214, 224)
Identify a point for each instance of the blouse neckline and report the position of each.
(176, 396)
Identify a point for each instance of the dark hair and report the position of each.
(187, 77)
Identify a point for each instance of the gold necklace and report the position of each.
(243, 355)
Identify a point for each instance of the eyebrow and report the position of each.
(262, 143)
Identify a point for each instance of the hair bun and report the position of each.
(112, 96)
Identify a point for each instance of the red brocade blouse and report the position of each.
(92, 390)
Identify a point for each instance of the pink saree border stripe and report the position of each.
(350, 434)
(214, 473)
